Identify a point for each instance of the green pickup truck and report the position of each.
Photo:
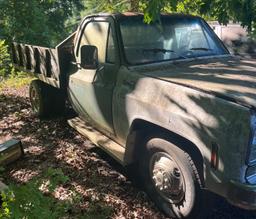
(167, 97)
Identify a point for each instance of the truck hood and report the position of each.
(227, 77)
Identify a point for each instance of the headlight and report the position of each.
(252, 145)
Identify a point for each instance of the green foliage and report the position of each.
(5, 60)
(153, 10)
(22, 21)
(7, 198)
(2, 169)
(253, 33)
(243, 11)
(16, 80)
(36, 22)
(27, 201)
(56, 177)
(95, 6)
(48, 22)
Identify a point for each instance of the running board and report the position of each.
(108, 145)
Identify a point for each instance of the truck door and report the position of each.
(90, 90)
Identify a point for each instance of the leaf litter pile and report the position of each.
(95, 185)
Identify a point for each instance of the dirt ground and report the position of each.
(93, 174)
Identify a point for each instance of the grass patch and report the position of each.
(98, 210)
(17, 80)
(29, 201)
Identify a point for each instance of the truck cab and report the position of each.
(166, 97)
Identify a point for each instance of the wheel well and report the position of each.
(141, 130)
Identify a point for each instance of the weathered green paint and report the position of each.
(208, 101)
(92, 89)
(202, 118)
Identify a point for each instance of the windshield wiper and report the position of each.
(156, 50)
(201, 48)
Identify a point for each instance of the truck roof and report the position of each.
(135, 14)
(128, 14)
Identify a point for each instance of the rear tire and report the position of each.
(46, 101)
(171, 180)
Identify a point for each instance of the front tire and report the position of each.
(171, 180)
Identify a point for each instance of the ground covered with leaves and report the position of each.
(63, 175)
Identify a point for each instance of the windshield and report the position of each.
(175, 37)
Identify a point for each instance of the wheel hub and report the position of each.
(167, 177)
(34, 100)
(161, 179)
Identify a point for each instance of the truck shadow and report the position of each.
(53, 144)
(221, 208)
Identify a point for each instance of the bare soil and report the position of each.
(93, 174)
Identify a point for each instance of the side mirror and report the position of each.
(89, 57)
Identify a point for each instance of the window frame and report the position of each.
(110, 30)
(205, 28)
(82, 34)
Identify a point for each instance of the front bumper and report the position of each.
(242, 195)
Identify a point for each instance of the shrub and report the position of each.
(6, 67)
(6, 199)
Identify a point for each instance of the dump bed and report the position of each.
(48, 64)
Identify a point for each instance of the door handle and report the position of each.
(78, 65)
(100, 68)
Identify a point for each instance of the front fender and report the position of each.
(203, 119)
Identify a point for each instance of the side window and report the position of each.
(110, 48)
(96, 34)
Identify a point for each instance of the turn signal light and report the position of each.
(215, 156)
